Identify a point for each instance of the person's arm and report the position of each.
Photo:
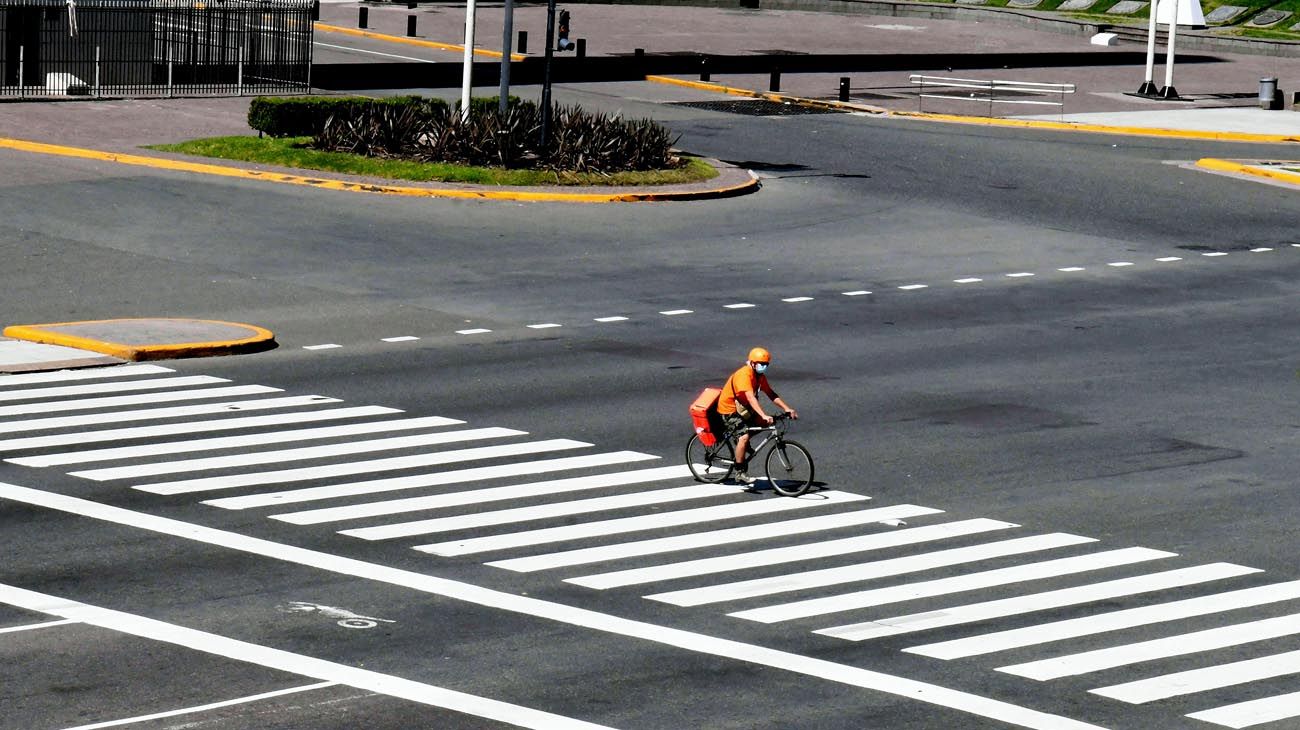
(782, 405)
(751, 400)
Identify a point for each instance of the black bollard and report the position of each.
(844, 88)
(411, 5)
(410, 26)
(582, 48)
(638, 52)
(315, 10)
(522, 45)
(774, 84)
(362, 14)
(704, 68)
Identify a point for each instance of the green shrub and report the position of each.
(579, 141)
(306, 116)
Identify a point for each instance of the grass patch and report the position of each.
(293, 152)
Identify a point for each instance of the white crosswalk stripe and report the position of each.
(813, 551)
(64, 376)
(1038, 601)
(1111, 621)
(113, 401)
(234, 442)
(645, 526)
(657, 546)
(1118, 656)
(170, 429)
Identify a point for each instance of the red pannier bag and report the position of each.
(704, 411)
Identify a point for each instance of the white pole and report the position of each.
(96, 72)
(22, 90)
(1169, 90)
(507, 45)
(469, 60)
(1147, 86)
(239, 73)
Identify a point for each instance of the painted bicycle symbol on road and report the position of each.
(343, 617)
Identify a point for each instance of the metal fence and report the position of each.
(154, 47)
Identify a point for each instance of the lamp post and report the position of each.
(468, 72)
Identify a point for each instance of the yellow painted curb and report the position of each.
(344, 185)
(989, 121)
(1217, 165)
(262, 339)
(413, 41)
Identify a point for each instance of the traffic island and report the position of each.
(150, 338)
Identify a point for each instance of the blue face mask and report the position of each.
(760, 367)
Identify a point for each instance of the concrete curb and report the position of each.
(529, 195)
(325, 27)
(1245, 168)
(988, 121)
(66, 335)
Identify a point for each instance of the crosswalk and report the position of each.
(833, 563)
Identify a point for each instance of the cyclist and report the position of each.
(739, 407)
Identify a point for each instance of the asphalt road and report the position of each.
(1146, 407)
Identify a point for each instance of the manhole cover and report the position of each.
(756, 107)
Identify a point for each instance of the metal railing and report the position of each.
(986, 91)
(154, 47)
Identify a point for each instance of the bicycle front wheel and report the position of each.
(789, 468)
(710, 464)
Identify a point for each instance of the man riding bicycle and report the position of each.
(739, 407)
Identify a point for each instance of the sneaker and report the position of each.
(742, 477)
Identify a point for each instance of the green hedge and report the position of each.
(305, 116)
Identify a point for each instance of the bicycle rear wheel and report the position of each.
(789, 468)
(710, 464)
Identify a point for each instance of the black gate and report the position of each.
(154, 47)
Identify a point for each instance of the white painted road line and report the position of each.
(475, 331)
(1261, 249)
(1213, 254)
(402, 338)
(617, 551)
(1119, 264)
(306, 473)
(1071, 269)
(1253, 712)
(1017, 605)
(205, 708)
(1168, 259)
(116, 434)
(544, 326)
(299, 454)
(788, 554)
(739, 305)
(967, 280)
(495, 494)
(81, 404)
(956, 584)
(458, 476)
(328, 346)
(611, 319)
(116, 387)
(856, 293)
(675, 312)
(1203, 679)
(794, 300)
(1220, 637)
(33, 627)
(1115, 620)
(536, 512)
(235, 442)
(1019, 275)
(634, 524)
(914, 287)
(384, 684)
(690, 641)
(59, 376)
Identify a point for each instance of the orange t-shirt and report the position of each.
(741, 381)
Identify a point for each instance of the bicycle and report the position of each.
(788, 465)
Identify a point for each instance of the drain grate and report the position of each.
(756, 107)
